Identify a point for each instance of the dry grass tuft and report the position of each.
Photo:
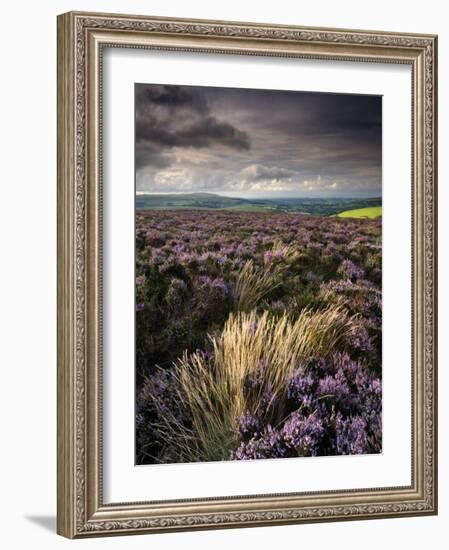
(215, 392)
(254, 283)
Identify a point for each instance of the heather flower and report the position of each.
(360, 340)
(350, 270)
(155, 238)
(271, 255)
(248, 426)
(351, 437)
(158, 406)
(304, 434)
(300, 385)
(334, 388)
(268, 445)
(213, 286)
(158, 256)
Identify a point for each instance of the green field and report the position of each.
(370, 212)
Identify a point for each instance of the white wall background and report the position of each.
(28, 272)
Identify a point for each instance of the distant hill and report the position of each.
(188, 200)
(212, 201)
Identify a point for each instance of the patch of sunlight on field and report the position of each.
(370, 212)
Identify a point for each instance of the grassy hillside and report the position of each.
(212, 201)
(370, 212)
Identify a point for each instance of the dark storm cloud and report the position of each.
(209, 131)
(170, 96)
(172, 116)
(257, 142)
(203, 132)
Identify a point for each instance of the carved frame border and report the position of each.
(81, 38)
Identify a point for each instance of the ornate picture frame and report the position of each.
(82, 38)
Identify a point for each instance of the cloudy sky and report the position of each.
(257, 143)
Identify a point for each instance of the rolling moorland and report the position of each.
(212, 201)
(258, 333)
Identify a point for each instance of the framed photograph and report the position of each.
(246, 274)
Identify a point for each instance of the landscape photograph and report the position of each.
(258, 274)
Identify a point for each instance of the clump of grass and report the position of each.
(214, 389)
(254, 283)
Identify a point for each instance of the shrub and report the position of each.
(200, 278)
(250, 366)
